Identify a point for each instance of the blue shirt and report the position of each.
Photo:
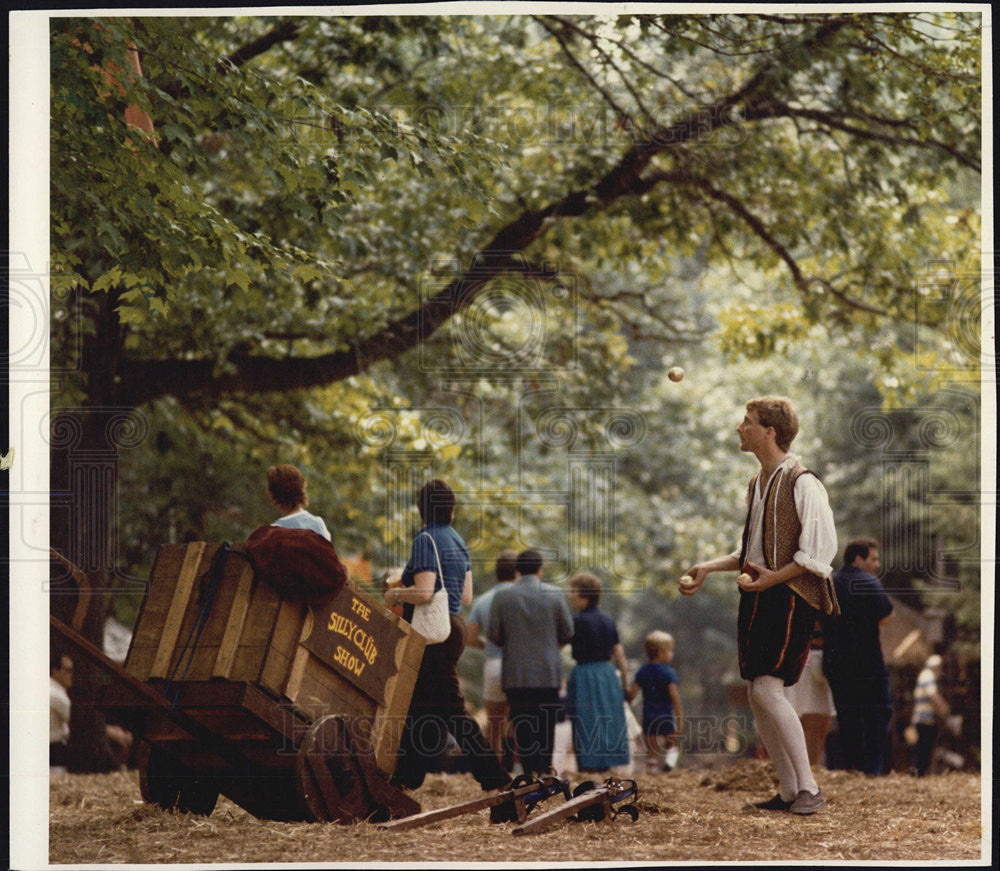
(654, 679)
(594, 635)
(851, 647)
(455, 563)
(480, 614)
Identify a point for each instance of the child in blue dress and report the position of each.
(662, 715)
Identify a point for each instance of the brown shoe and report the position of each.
(808, 802)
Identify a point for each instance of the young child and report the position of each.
(662, 716)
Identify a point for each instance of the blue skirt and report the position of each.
(596, 707)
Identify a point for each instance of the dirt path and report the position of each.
(686, 815)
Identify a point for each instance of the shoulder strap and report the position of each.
(437, 556)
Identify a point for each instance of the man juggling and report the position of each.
(789, 542)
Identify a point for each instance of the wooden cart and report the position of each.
(294, 711)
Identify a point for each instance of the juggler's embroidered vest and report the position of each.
(781, 532)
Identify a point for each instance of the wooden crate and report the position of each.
(345, 655)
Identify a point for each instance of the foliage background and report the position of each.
(384, 247)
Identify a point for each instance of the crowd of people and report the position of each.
(522, 624)
(807, 639)
(807, 636)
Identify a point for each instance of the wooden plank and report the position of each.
(203, 696)
(490, 799)
(298, 671)
(327, 686)
(153, 610)
(178, 608)
(593, 804)
(413, 648)
(565, 810)
(279, 716)
(386, 735)
(278, 668)
(390, 718)
(276, 671)
(387, 729)
(234, 624)
(248, 661)
(209, 644)
(251, 654)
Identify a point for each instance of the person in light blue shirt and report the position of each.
(494, 698)
(286, 486)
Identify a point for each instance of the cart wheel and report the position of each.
(198, 795)
(164, 782)
(329, 785)
(385, 801)
(158, 783)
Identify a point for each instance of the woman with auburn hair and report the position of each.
(286, 486)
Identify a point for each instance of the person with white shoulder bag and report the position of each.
(436, 583)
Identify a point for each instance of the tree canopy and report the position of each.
(321, 194)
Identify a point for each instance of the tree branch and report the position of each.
(146, 380)
(281, 32)
(672, 331)
(620, 113)
(596, 44)
(802, 282)
(829, 119)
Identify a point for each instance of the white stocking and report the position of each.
(779, 728)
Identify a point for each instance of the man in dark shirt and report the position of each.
(853, 662)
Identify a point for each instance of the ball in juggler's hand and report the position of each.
(675, 373)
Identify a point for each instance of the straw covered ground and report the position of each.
(688, 815)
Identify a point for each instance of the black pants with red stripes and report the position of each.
(773, 632)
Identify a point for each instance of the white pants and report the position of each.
(779, 728)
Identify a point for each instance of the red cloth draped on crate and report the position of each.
(299, 563)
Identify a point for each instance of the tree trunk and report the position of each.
(84, 450)
(85, 446)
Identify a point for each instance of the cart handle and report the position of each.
(150, 696)
(83, 585)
